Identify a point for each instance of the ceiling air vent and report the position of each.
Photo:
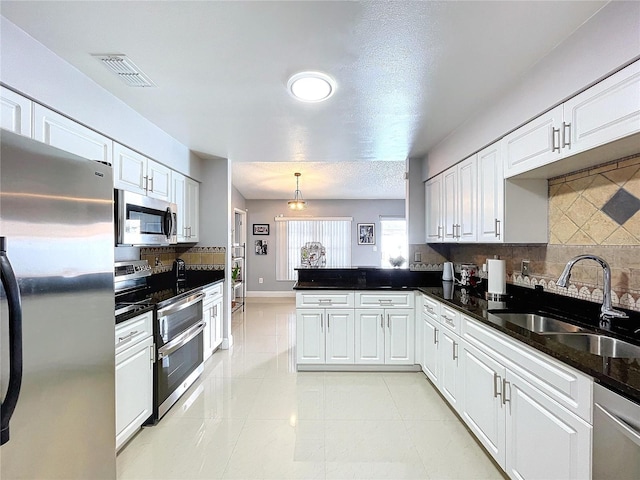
(124, 68)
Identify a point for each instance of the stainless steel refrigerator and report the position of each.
(57, 382)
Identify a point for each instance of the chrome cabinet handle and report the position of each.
(127, 337)
(496, 383)
(385, 301)
(439, 228)
(328, 322)
(447, 319)
(555, 133)
(389, 323)
(322, 322)
(146, 183)
(190, 235)
(325, 301)
(381, 321)
(455, 350)
(152, 357)
(151, 182)
(566, 139)
(435, 336)
(505, 400)
(497, 227)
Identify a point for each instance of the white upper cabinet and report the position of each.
(450, 204)
(136, 173)
(61, 132)
(192, 214)
(605, 112)
(535, 144)
(490, 195)
(129, 170)
(159, 181)
(185, 193)
(433, 209)
(15, 115)
(467, 208)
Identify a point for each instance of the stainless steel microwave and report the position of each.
(144, 220)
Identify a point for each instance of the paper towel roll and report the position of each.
(497, 276)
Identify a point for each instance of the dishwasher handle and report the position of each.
(624, 428)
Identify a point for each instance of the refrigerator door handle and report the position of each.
(14, 302)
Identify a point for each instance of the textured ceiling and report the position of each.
(408, 73)
(321, 180)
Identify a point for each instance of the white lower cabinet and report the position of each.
(384, 336)
(212, 315)
(135, 354)
(535, 423)
(330, 330)
(451, 373)
(530, 412)
(325, 336)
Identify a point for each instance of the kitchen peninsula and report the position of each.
(336, 294)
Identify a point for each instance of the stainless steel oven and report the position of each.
(180, 345)
(144, 220)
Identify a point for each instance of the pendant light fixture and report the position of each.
(298, 202)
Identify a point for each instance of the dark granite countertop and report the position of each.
(619, 374)
(162, 289)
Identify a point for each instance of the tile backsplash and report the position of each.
(594, 211)
(598, 206)
(195, 258)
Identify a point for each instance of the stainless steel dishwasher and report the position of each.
(616, 436)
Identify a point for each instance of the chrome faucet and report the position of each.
(606, 312)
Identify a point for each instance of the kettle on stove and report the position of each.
(179, 270)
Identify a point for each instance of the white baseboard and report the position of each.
(273, 294)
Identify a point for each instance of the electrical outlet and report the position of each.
(417, 257)
(260, 280)
(525, 268)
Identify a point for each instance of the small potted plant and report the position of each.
(235, 273)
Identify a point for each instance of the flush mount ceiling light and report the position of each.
(311, 86)
(297, 203)
(125, 69)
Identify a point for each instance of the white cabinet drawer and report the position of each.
(431, 308)
(213, 291)
(327, 299)
(132, 331)
(385, 299)
(450, 318)
(566, 385)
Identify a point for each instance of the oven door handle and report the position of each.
(181, 340)
(180, 305)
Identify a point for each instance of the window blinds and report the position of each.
(292, 233)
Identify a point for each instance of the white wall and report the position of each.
(265, 211)
(608, 41)
(415, 202)
(31, 69)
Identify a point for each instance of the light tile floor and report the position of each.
(252, 416)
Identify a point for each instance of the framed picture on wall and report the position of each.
(261, 247)
(366, 234)
(261, 229)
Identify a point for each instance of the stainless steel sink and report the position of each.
(537, 323)
(597, 344)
